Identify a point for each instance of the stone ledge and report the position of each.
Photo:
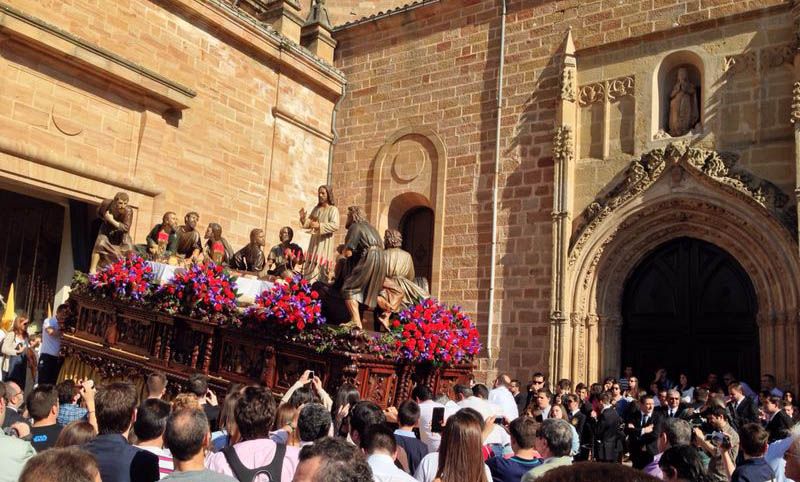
(35, 33)
(292, 119)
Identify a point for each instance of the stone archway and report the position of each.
(409, 171)
(682, 192)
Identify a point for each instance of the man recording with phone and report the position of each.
(721, 445)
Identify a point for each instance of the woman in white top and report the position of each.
(687, 391)
(14, 348)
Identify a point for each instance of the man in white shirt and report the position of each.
(49, 361)
(502, 396)
(381, 450)
(768, 383)
(422, 395)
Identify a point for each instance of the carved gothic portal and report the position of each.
(664, 195)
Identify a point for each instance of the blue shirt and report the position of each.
(511, 469)
(753, 470)
(70, 412)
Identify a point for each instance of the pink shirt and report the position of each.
(256, 453)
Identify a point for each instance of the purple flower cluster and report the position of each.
(130, 278)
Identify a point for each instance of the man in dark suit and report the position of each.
(607, 439)
(674, 408)
(643, 429)
(779, 423)
(742, 408)
(578, 420)
(520, 398)
(118, 460)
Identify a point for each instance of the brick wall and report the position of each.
(436, 67)
(218, 159)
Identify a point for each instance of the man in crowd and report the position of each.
(619, 402)
(742, 407)
(674, 432)
(187, 436)
(563, 388)
(61, 464)
(422, 395)
(578, 420)
(198, 384)
(151, 421)
(728, 378)
(643, 429)
(408, 418)
(542, 404)
(49, 361)
(753, 442)
(329, 458)
(722, 450)
(768, 383)
(520, 397)
(14, 453)
(674, 407)
(553, 441)
(607, 439)
(15, 399)
(778, 423)
(537, 383)
(255, 414)
(502, 396)
(523, 440)
(624, 381)
(118, 460)
(381, 448)
(43, 409)
(313, 423)
(69, 396)
(156, 385)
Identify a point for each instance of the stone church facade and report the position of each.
(522, 147)
(590, 182)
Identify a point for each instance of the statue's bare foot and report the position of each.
(384, 320)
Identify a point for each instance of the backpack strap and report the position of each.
(244, 474)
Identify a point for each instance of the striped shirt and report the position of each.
(165, 465)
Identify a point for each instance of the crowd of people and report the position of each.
(511, 432)
(620, 429)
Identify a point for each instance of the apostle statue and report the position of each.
(217, 248)
(162, 241)
(363, 247)
(284, 257)
(683, 111)
(251, 257)
(399, 288)
(322, 223)
(114, 239)
(190, 245)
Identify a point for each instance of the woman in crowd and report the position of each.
(558, 411)
(345, 397)
(76, 434)
(687, 391)
(228, 434)
(460, 455)
(14, 349)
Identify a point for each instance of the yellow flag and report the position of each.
(49, 311)
(9, 314)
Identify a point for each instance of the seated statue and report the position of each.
(113, 240)
(283, 258)
(399, 287)
(162, 241)
(251, 257)
(217, 248)
(189, 245)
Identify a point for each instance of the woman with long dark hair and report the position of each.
(460, 455)
(345, 398)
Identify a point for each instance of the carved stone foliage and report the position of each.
(721, 168)
(567, 85)
(796, 104)
(606, 90)
(562, 144)
(761, 59)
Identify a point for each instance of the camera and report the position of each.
(719, 439)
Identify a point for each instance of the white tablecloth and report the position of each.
(249, 288)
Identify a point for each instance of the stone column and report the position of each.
(592, 346)
(766, 335)
(563, 173)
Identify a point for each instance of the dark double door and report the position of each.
(690, 307)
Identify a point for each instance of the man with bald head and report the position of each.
(14, 398)
(187, 437)
(501, 395)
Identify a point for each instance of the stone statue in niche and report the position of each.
(113, 240)
(251, 257)
(683, 111)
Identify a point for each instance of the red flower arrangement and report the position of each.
(129, 279)
(293, 304)
(204, 291)
(432, 331)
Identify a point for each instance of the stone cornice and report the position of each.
(263, 39)
(33, 32)
(292, 119)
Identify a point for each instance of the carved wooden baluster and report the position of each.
(195, 354)
(207, 359)
(157, 347)
(168, 350)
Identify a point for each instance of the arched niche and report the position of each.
(664, 82)
(409, 172)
